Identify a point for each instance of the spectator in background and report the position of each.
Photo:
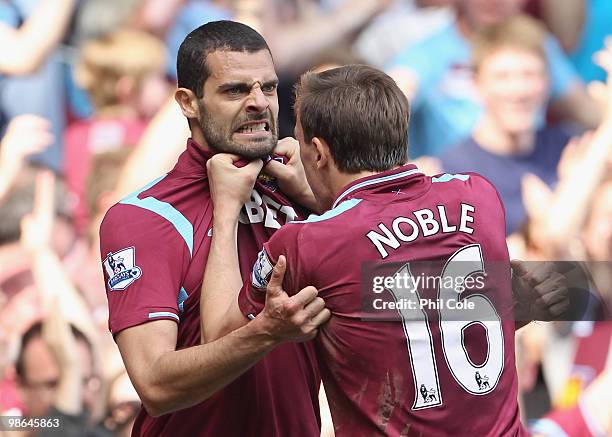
(31, 70)
(511, 78)
(124, 75)
(51, 369)
(438, 77)
(56, 375)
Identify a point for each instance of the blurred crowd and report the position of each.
(517, 90)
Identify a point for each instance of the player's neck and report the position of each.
(198, 136)
(493, 138)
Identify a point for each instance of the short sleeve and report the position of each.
(142, 260)
(285, 242)
(562, 73)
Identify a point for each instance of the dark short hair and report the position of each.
(360, 112)
(34, 332)
(191, 67)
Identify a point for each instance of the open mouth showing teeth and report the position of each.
(259, 127)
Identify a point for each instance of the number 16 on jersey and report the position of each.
(475, 379)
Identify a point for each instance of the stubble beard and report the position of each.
(220, 139)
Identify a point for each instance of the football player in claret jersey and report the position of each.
(422, 375)
(155, 244)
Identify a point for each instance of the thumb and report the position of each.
(275, 285)
(518, 267)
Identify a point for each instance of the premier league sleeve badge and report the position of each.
(121, 268)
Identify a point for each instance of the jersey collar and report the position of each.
(389, 177)
(193, 160)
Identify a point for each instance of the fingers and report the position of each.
(321, 318)
(314, 307)
(287, 147)
(539, 272)
(519, 268)
(275, 285)
(304, 297)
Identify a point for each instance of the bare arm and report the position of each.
(565, 22)
(219, 311)
(296, 45)
(168, 380)
(25, 49)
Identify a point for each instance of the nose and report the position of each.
(257, 101)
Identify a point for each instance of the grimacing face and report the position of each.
(239, 108)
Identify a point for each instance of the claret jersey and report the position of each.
(154, 247)
(395, 360)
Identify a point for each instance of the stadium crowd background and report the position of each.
(513, 89)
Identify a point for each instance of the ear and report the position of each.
(323, 154)
(188, 102)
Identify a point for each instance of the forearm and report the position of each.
(296, 46)
(222, 280)
(69, 394)
(183, 378)
(567, 22)
(24, 50)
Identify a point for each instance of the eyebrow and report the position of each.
(244, 86)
